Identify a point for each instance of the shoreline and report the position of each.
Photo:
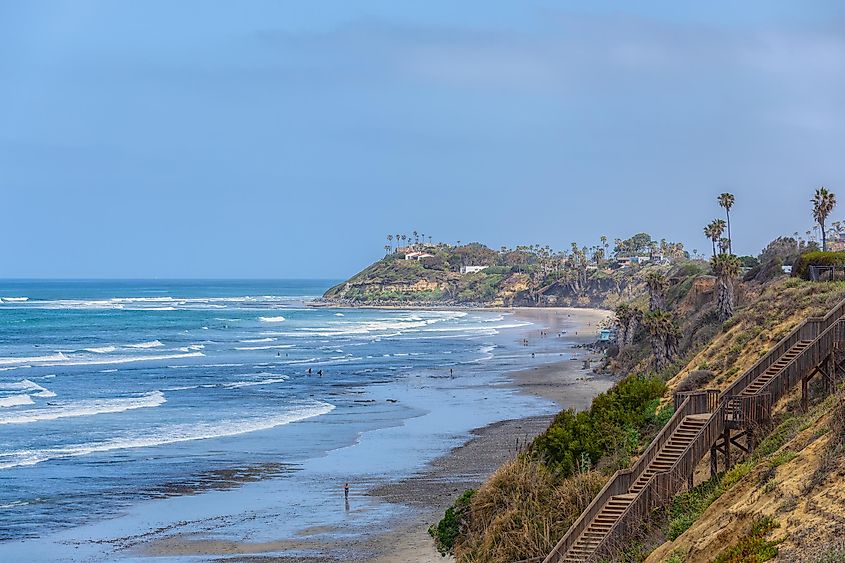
(419, 499)
(458, 437)
(432, 490)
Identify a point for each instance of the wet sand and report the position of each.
(565, 382)
(429, 492)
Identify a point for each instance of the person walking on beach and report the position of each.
(346, 491)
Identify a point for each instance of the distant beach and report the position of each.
(431, 490)
(166, 419)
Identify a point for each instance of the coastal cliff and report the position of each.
(475, 275)
(782, 501)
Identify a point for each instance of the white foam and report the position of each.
(338, 314)
(278, 319)
(165, 303)
(89, 407)
(22, 385)
(152, 344)
(30, 387)
(101, 350)
(270, 347)
(167, 435)
(57, 357)
(275, 378)
(308, 361)
(15, 400)
(256, 340)
(122, 359)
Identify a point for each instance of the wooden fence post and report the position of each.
(804, 394)
(714, 461)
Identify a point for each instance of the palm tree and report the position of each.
(397, 240)
(390, 240)
(726, 268)
(665, 336)
(416, 237)
(726, 200)
(624, 314)
(823, 203)
(714, 231)
(657, 284)
(387, 248)
(710, 233)
(724, 245)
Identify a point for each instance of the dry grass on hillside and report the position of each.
(798, 482)
(522, 511)
(760, 325)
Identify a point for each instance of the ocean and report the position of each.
(124, 401)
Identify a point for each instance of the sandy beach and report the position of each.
(432, 491)
(427, 493)
(425, 436)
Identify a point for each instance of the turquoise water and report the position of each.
(114, 394)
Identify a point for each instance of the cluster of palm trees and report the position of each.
(658, 322)
(403, 240)
(724, 263)
(718, 227)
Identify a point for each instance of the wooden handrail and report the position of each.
(693, 403)
(810, 357)
(660, 487)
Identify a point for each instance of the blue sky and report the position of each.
(286, 139)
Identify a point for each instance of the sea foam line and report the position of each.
(84, 408)
(167, 435)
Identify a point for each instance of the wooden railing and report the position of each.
(822, 331)
(661, 487)
(799, 333)
(622, 480)
(811, 357)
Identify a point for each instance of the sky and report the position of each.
(278, 139)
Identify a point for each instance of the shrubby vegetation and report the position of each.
(802, 264)
(614, 422)
(516, 514)
(754, 547)
(524, 275)
(447, 530)
(522, 510)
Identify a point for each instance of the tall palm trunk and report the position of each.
(730, 240)
(631, 330)
(725, 299)
(659, 351)
(824, 236)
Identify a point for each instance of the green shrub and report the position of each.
(447, 530)
(688, 506)
(612, 424)
(801, 268)
(754, 547)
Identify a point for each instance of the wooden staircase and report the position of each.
(755, 386)
(702, 423)
(667, 456)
